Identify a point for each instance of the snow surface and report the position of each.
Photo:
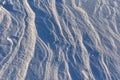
(59, 39)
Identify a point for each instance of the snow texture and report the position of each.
(59, 39)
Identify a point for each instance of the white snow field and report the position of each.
(59, 39)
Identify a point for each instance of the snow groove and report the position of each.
(22, 39)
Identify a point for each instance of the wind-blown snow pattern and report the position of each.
(59, 39)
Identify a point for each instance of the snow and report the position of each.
(59, 40)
